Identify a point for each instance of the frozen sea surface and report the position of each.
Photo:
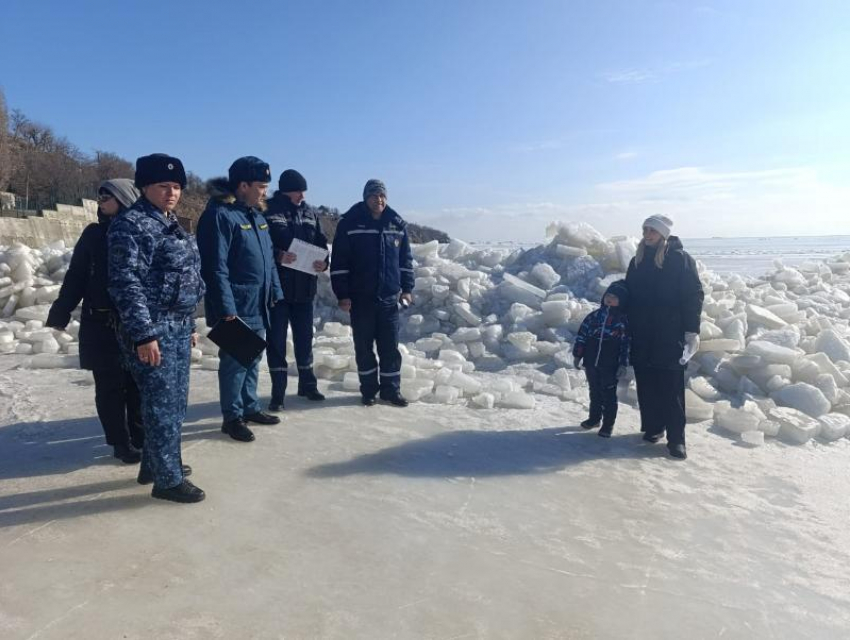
(755, 256)
(746, 256)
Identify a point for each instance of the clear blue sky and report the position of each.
(485, 118)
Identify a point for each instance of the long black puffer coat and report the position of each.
(86, 280)
(664, 304)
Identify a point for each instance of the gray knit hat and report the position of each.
(123, 189)
(660, 223)
(373, 187)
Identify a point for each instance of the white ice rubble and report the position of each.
(494, 328)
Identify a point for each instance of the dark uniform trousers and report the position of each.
(164, 390)
(119, 408)
(375, 322)
(603, 394)
(661, 396)
(237, 384)
(300, 316)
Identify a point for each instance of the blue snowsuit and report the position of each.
(603, 344)
(155, 283)
(371, 265)
(237, 263)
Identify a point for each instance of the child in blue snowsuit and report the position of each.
(603, 344)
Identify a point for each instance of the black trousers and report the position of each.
(661, 396)
(119, 407)
(603, 394)
(375, 323)
(300, 316)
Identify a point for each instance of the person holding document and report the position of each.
(237, 264)
(293, 223)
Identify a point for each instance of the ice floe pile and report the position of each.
(493, 327)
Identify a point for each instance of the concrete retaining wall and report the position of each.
(66, 223)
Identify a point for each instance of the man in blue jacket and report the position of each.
(237, 263)
(371, 274)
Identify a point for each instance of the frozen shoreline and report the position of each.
(431, 521)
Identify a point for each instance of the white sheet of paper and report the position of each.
(306, 254)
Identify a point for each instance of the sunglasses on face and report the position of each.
(103, 197)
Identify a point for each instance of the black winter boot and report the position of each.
(238, 430)
(261, 417)
(126, 453)
(311, 394)
(589, 424)
(183, 492)
(678, 451)
(395, 398)
(606, 431)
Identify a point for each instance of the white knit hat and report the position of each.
(660, 223)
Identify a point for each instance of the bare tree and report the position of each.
(6, 158)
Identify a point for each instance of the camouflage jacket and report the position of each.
(154, 270)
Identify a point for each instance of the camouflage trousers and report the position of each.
(165, 394)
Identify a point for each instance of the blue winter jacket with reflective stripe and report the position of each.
(154, 269)
(371, 258)
(237, 263)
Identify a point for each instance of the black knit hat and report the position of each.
(618, 288)
(248, 169)
(159, 167)
(291, 180)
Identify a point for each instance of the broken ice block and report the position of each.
(755, 438)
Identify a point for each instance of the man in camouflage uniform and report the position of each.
(155, 283)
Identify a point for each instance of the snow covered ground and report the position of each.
(433, 521)
(482, 510)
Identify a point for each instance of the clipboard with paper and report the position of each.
(305, 255)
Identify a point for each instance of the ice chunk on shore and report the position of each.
(803, 397)
(795, 425)
(834, 426)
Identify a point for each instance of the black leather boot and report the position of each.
(395, 399)
(678, 451)
(126, 453)
(238, 430)
(312, 394)
(183, 492)
(261, 417)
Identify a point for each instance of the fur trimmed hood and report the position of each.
(219, 191)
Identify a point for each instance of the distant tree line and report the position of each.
(43, 168)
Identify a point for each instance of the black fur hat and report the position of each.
(159, 167)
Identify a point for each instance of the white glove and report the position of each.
(691, 347)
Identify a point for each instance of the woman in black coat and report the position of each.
(665, 304)
(116, 395)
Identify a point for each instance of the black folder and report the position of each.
(237, 340)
